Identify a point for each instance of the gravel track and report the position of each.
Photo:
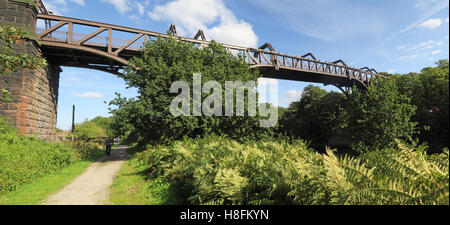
(92, 187)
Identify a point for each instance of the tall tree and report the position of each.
(316, 116)
(429, 91)
(165, 61)
(379, 116)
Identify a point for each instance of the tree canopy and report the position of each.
(165, 61)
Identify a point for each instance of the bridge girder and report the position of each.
(105, 54)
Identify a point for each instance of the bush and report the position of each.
(316, 117)
(378, 117)
(83, 149)
(89, 131)
(429, 92)
(24, 159)
(218, 170)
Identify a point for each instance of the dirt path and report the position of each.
(92, 187)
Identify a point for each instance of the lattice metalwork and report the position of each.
(103, 50)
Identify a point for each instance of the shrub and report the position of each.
(24, 159)
(89, 130)
(380, 116)
(218, 170)
(83, 149)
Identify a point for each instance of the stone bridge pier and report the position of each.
(34, 92)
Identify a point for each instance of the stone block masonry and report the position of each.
(34, 92)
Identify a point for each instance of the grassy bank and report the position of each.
(133, 187)
(36, 192)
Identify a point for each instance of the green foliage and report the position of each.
(83, 149)
(10, 60)
(105, 124)
(429, 92)
(406, 176)
(218, 170)
(24, 159)
(379, 116)
(165, 61)
(36, 192)
(89, 130)
(316, 116)
(161, 192)
(121, 123)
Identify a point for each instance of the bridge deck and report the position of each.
(62, 45)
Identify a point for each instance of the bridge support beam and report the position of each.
(34, 92)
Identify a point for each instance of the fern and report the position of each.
(217, 170)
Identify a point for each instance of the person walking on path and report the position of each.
(108, 144)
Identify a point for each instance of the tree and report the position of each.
(12, 61)
(89, 130)
(165, 61)
(316, 116)
(429, 91)
(379, 116)
(105, 123)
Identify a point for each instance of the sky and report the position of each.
(398, 36)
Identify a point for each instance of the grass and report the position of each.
(35, 193)
(132, 187)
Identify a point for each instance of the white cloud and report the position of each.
(56, 6)
(408, 57)
(96, 77)
(431, 23)
(446, 20)
(323, 19)
(423, 4)
(122, 6)
(435, 52)
(413, 56)
(72, 78)
(211, 16)
(421, 46)
(293, 95)
(430, 11)
(90, 95)
(60, 6)
(79, 2)
(140, 8)
(267, 81)
(391, 71)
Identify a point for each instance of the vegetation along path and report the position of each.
(92, 187)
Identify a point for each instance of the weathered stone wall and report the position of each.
(21, 13)
(34, 92)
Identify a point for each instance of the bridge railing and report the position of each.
(113, 46)
(261, 57)
(98, 41)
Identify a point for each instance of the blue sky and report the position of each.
(398, 36)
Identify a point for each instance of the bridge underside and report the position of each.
(305, 76)
(74, 56)
(91, 58)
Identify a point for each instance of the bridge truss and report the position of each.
(91, 48)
